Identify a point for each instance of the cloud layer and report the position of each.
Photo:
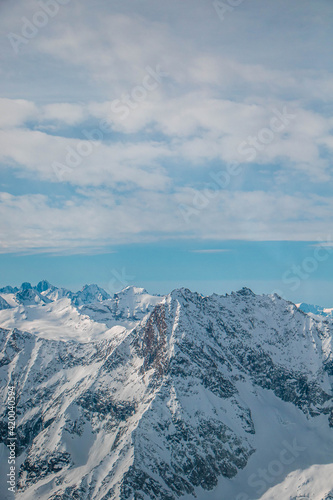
(137, 123)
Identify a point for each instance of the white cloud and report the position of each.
(70, 114)
(202, 129)
(221, 88)
(196, 129)
(15, 112)
(97, 219)
(58, 159)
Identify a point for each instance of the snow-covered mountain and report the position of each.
(314, 482)
(125, 308)
(89, 294)
(214, 398)
(318, 310)
(60, 314)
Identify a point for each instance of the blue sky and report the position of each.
(134, 134)
(291, 269)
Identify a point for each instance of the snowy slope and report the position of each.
(125, 308)
(3, 304)
(57, 313)
(54, 320)
(314, 483)
(214, 398)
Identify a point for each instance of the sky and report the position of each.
(168, 144)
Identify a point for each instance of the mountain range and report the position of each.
(183, 396)
(317, 310)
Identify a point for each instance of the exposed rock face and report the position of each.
(88, 294)
(29, 296)
(162, 410)
(43, 286)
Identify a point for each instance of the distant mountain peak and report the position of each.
(133, 290)
(44, 285)
(9, 289)
(30, 296)
(91, 286)
(245, 292)
(314, 309)
(185, 293)
(89, 293)
(26, 285)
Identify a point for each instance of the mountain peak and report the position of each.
(30, 296)
(26, 285)
(185, 293)
(89, 293)
(9, 289)
(44, 285)
(246, 292)
(133, 290)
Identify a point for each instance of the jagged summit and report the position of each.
(26, 286)
(187, 293)
(184, 292)
(44, 285)
(88, 294)
(44, 292)
(246, 292)
(28, 295)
